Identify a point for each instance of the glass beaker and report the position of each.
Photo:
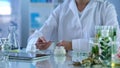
(12, 38)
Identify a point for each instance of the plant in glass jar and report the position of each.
(105, 47)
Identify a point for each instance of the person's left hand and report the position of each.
(67, 44)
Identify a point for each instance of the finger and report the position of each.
(39, 40)
(46, 46)
(59, 44)
(43, 39)
(40, 43)
(49, 43)
(40, 46)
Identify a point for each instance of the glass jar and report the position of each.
(105, 47)
(12, 38)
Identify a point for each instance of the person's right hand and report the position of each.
(42, 44)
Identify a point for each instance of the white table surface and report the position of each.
(49, 62)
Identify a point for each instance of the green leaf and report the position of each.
(102, 43)
(103, 53)
(107, 48)
(102, 48)
(95, 50)
(107, 41)
(102, 57)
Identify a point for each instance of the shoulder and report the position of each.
(63, 7)
(100, 0)
(104, 3)
(65, 4)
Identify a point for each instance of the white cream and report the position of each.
(59, 51)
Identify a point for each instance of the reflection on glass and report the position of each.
(43, 64)
(59, 51)
(59, 59)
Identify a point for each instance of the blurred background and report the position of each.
(29, 15)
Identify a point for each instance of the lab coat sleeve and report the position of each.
(81, 45)
(110, 17)
(48, 30)
(32, 40)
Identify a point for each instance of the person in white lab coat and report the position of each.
(71, 21)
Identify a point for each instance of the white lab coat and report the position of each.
(67, 23)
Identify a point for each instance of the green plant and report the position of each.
(105, 48)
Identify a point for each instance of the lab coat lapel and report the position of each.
(74, 10)
(73, 7)
(88, 8)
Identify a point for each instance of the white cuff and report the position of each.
(31, 45)
(32, 40)
(80, 45)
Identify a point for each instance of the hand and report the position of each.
(42, 44)
(67, 44)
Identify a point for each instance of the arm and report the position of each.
(110, 17)
(48, 31)
(50, 28)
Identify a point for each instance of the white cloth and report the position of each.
(66, 24)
